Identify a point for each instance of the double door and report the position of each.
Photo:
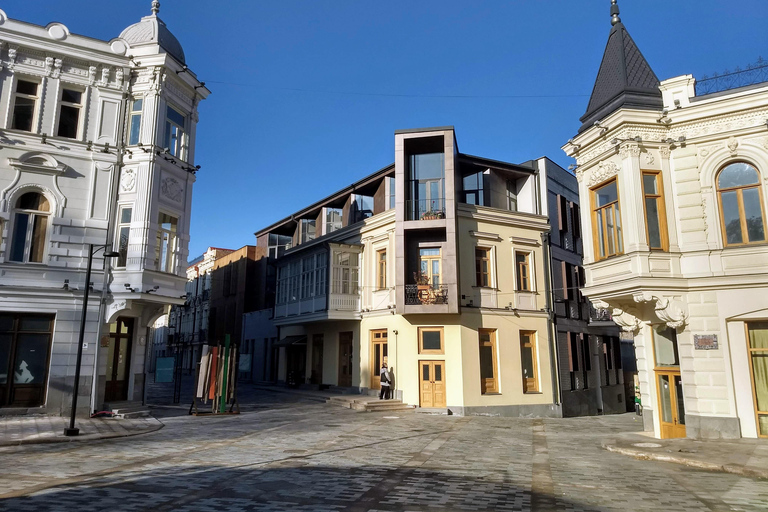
(432, 384)
(119, 360)
(671, 408)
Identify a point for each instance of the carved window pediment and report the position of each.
(38, 162)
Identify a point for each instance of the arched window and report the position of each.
(30, 225)
(741, 204)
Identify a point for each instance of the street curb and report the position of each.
(698, 464)
(85, 437)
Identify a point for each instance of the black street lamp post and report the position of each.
(72, 431)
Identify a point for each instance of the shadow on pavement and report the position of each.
(288, 485)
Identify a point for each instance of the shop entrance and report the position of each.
(669, 384)
(25, 346)
(432, 383)
(378, 356)
(119, 360)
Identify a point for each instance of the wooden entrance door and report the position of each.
(671, 409)
(432, 383)
(119, 360)
(378, 356)
(345, 359)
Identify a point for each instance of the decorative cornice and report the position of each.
(604, 171)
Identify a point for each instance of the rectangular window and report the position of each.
(321, 263)
(381, 278)
(562, 213)
(346, 271)
(523, 271)
(575, 221)
(69, 113)
(25, 346)
(166, 243)
(134, 130)
(278, 244)
(429, 265)
(25, 105)
(390, 192)
(473, 188)
(655, 218)
(282, 285)
(431, 340)
(567, 282)
(362, 208)
(307, 232)
(529, 366)
(174, 131)
(123, 234)
(332, 220)
(489, 382)
(308, 277)
(606, 220)
(511, 195)
(586, 357)
(426, 187)
(483, 267)
(573, 357)
(665, 347)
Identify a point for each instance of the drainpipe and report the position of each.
(551, 330)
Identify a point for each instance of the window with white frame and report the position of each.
(123, 234)
(174, 131)
(25, 100)
(30, 225)
(346, 271)
(166, 243)
(70, 113)
(134, 130)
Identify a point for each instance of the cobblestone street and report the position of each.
(288, 453)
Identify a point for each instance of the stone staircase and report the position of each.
(127, 409)
(366, 403)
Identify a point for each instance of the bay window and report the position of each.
(606, 219)
(166, 243)
(174, 131)
(655, 218)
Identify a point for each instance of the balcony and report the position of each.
(425, 209)
(425, 295)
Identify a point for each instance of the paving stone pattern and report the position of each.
(286, 453)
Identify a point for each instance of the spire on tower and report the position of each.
(615, 13)
(155, 7)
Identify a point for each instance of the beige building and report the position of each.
(433, 264)
(672, 179)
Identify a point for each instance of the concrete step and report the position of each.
(433, 410)
(389, 405)
(128, 409)
(368, 403)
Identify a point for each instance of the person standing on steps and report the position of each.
(385, 380)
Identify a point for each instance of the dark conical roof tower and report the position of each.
(625, 79)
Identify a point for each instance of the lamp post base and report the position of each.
(70, 432)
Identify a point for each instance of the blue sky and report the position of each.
(307, 94)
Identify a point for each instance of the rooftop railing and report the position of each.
(753, 74)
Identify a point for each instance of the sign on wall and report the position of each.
(705, 341)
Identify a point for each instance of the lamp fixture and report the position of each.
(202, 84)
(616, 141)
(44, 138)
(663, 119)
(89, 145)
(106, 148)
(144, 149)
(154, 289)
(603, 129)
(183, 69)
(573, 167)
(128, 287)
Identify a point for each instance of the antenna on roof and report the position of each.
(615, 13)
(155, 7)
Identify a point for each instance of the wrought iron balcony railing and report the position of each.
(417, 295)
(425, 209)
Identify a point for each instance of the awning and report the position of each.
(292, 340)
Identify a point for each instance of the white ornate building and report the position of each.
(96, 147)
(672, 181)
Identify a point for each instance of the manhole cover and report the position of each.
(647, 445)
(391, 417)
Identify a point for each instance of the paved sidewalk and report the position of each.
(746, 457)
(17, 430)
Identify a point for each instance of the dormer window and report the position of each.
(174, 131)
(69, 113)
(25, 105)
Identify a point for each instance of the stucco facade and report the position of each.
(91, 155)
(682, 268)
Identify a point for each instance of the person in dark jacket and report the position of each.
(385, 383)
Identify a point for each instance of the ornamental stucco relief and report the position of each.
(604, 171)
(128, 180)
(171, 189)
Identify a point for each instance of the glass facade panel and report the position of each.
(665, 397)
